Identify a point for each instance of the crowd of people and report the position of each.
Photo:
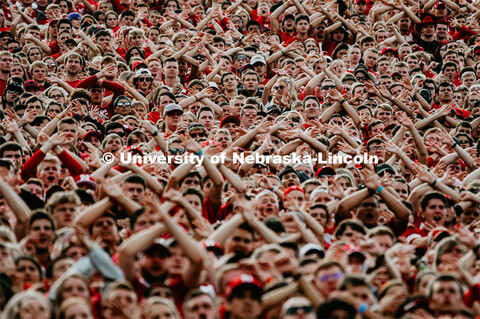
(85, 234)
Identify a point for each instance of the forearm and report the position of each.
(92, 213)
(178, 174)
(328, 113)
(233, 179)
(350, 202)
(221, 234)
(245, 139)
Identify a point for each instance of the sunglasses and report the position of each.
(174, 151)
(295, 119)
(145, 79)
(294, 310)
(248, 114)
(328, 87)
(197, 134)
(279, 87)
(124, 104)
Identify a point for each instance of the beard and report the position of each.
(151, 279)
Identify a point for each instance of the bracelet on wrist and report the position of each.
(155, 133)
(342, 101)
(434, 182)
(379, 189)
(199, 153)
(454, 145)
(363, 308)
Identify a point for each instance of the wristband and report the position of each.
(342, 101)
(57, 117)
(379, 189)
(199, 153)
(283, 53)
(363, 308)
(434, 182)
(454, 145)
(155, 133)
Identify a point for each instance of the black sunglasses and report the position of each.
(197, 134)
(294, 310)
(328, 87)
(174, 151)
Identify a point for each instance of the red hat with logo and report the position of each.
(244, 281)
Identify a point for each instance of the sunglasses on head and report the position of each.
(294, 310)
(174, 151)
(197, 134)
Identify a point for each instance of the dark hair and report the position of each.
(40, 214)
(429, 196)
(9, 146)
(354, 281)
(326, 309)
(33, 261)
(136, 179)
(353, 224)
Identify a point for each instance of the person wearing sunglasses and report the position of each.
(143, 80)
(298, 308)
(122, 105)
(197, 131)
(248, 115)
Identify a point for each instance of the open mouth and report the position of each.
(51, 178)
(437, 218)
(369, 216)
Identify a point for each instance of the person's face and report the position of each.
(383, 67)
(104, 228)
(386, 82)
(368, 212)
(171, 69)
(248, 117)
(384, 116)
(36, 190)
(445, 94)
(75, 287)
(63, 214)
(435, 212)
(360, 7)
(206, 118)
(39, 74)
(246, 304)
(33, 309)
(192, 181)
(250, 82)
(267, 205)
(49, 173)
(201, 307)
(401, 189)
(327, 280)
(74, 66)
(134, 191)
(354, 55)
(15, 156)
(27, 271)
(230, 83)
(123, 298)
(446, 297)
(42, 231)
(312, 109)
(468, 80)
(450, 72)
(6, 63)
(34, 55)
(320, 215)
(194, 201)
(127, 21)
(240, 242)
(290, 179)
(60, 267)
(382, 36)
(428, 30)
(412, 63)
(442, 31)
